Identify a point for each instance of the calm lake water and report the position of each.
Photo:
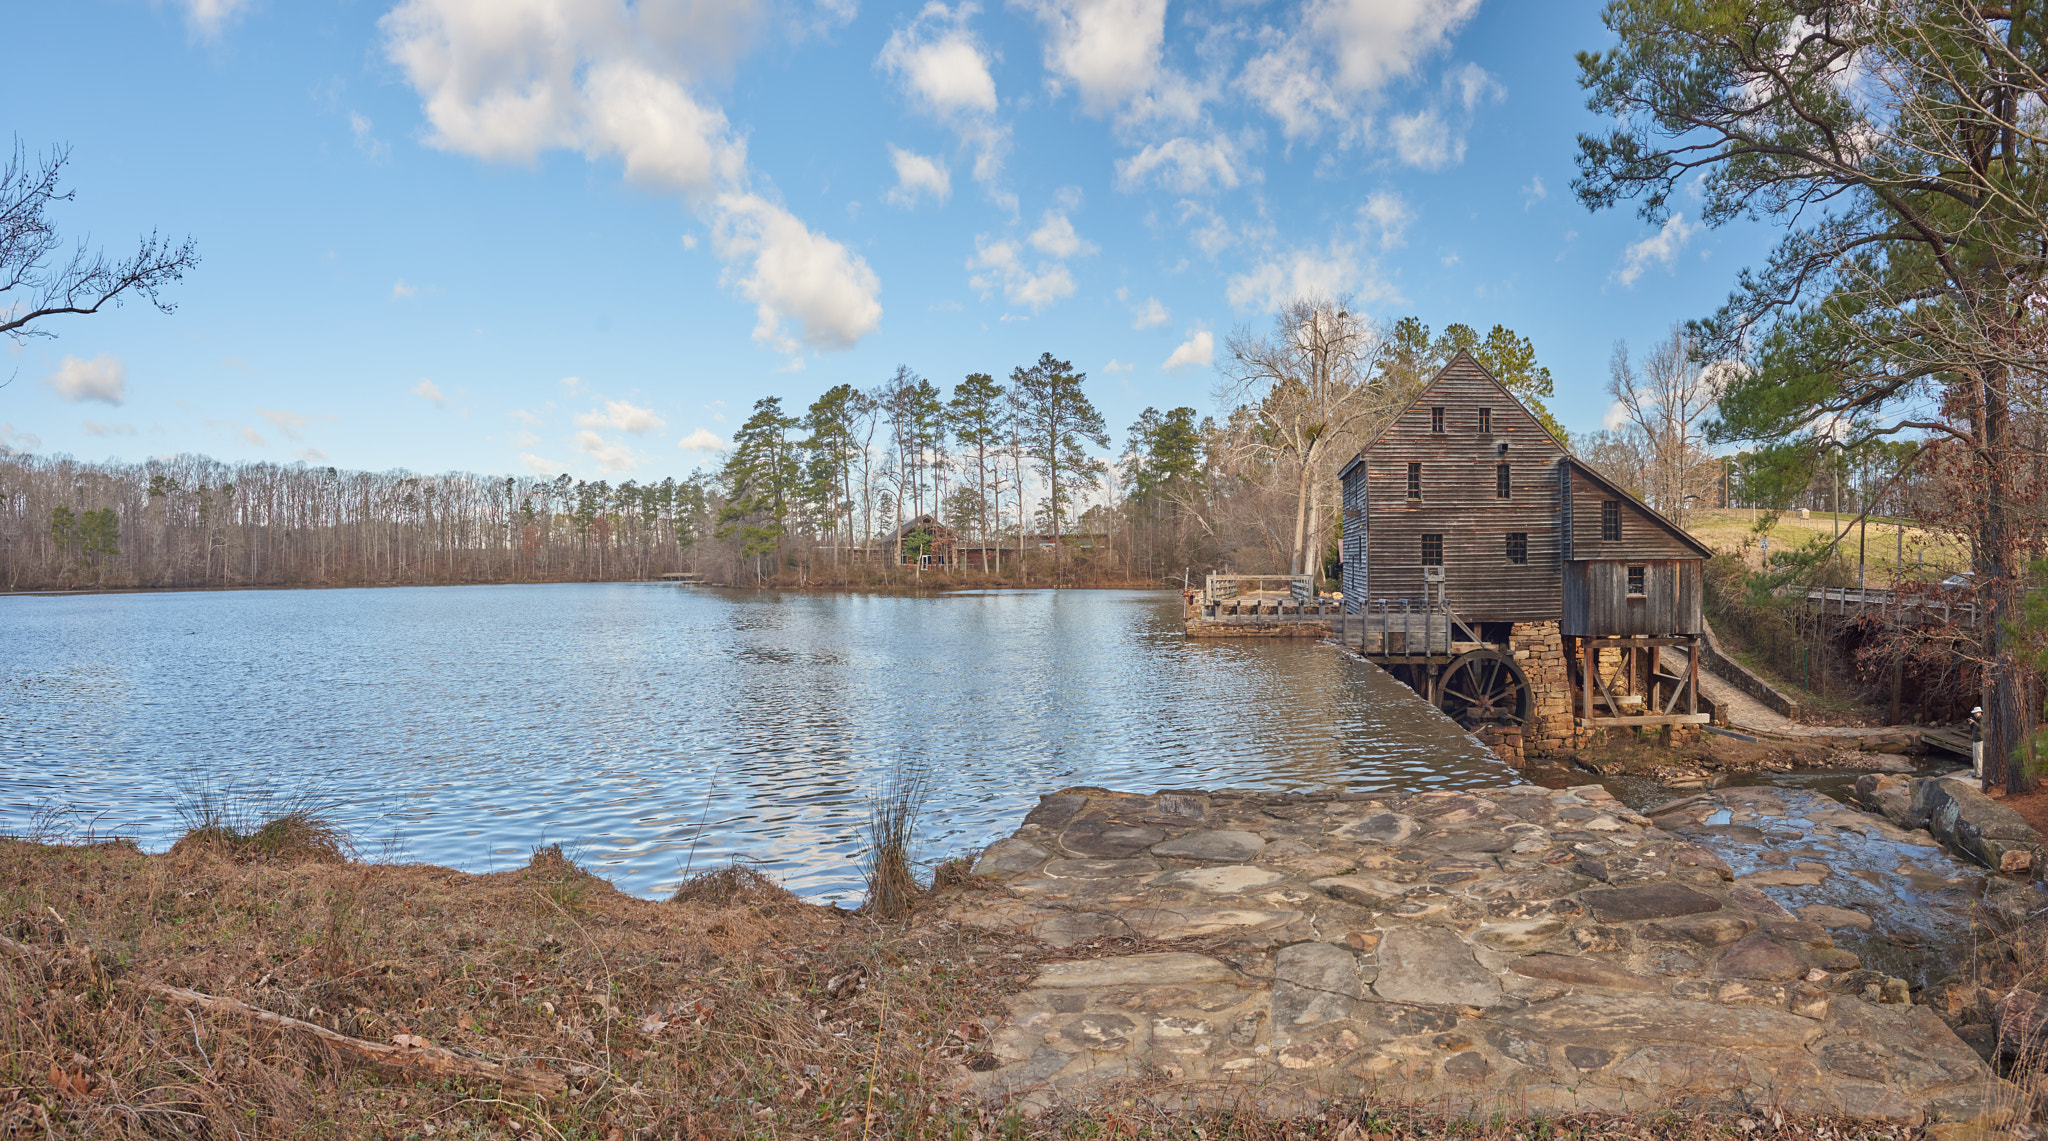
(652, 728)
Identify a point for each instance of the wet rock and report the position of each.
(1804, 874)
(1433, 965)
(1647, 901)
(1838, 918)
(1577, 972)
(1216, 845)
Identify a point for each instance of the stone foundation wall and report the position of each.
(1539, 650)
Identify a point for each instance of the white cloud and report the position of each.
(103, 378)
(1375, 42)
(1150, 315)
(1388, 214)
(98, 429)
(1424, 140)
(525, 417)
(209, 17)
(400, 290)
(13, 439)
(366, 140)
(701, 440)
(1198, 350)
(943, 71)
(917, 175)
(242, 432)
(311, 455)
(430, 392)
(1617, 415)
(940, 64)
(1001, 266)
(1662, 247)
(1055, 237)
(1185, 165)
(622, 416)
(796, 274)
(609, 455)
(524, 439)
(1109, 50)
(505, 82)
(1308, 272)
(1534, 192)
(287, 423)
(1116, 366)
(573, 385)
(541, 465)
(1331, 66)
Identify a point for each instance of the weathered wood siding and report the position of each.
(1642, 536)
(1597, 602)
(1357, 539)
(1459, 502)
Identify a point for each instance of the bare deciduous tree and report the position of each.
(1308, 383)
(37, 281)
(1668, 402)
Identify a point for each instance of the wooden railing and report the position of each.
(1398, 627)
(1223, 587)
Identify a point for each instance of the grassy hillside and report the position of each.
(1930, 555)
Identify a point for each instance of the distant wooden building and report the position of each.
(924, 541)
(1509, 583)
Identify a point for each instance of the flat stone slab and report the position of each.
(1545, 948)
(1221, 845)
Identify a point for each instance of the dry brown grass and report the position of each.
(736, 1011)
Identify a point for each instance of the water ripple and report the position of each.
(654, 728)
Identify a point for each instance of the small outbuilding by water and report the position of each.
(1520, 591)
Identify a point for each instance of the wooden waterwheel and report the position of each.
(1483, 687)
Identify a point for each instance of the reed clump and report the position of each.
(893, 816)
(299, 829)
(735, 885)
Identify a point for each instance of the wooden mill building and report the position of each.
(1512, 585)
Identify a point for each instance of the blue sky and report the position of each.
(585, 235)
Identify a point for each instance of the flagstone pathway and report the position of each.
(1513, 949)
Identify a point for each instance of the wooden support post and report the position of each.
(1692, 677)
(1591, 656)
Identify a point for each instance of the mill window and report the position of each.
(1610, 520)
(1485, 421)
(1635, 580)
(1500, 481)
(1432, 550)
(1518, 548)
(1414, 481)
(1436, 418)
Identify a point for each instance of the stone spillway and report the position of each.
(1519, 949)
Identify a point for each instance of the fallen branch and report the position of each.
(432, 1060)
(425, 1059)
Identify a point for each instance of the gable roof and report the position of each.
(1574, 463)
(1468, 358)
